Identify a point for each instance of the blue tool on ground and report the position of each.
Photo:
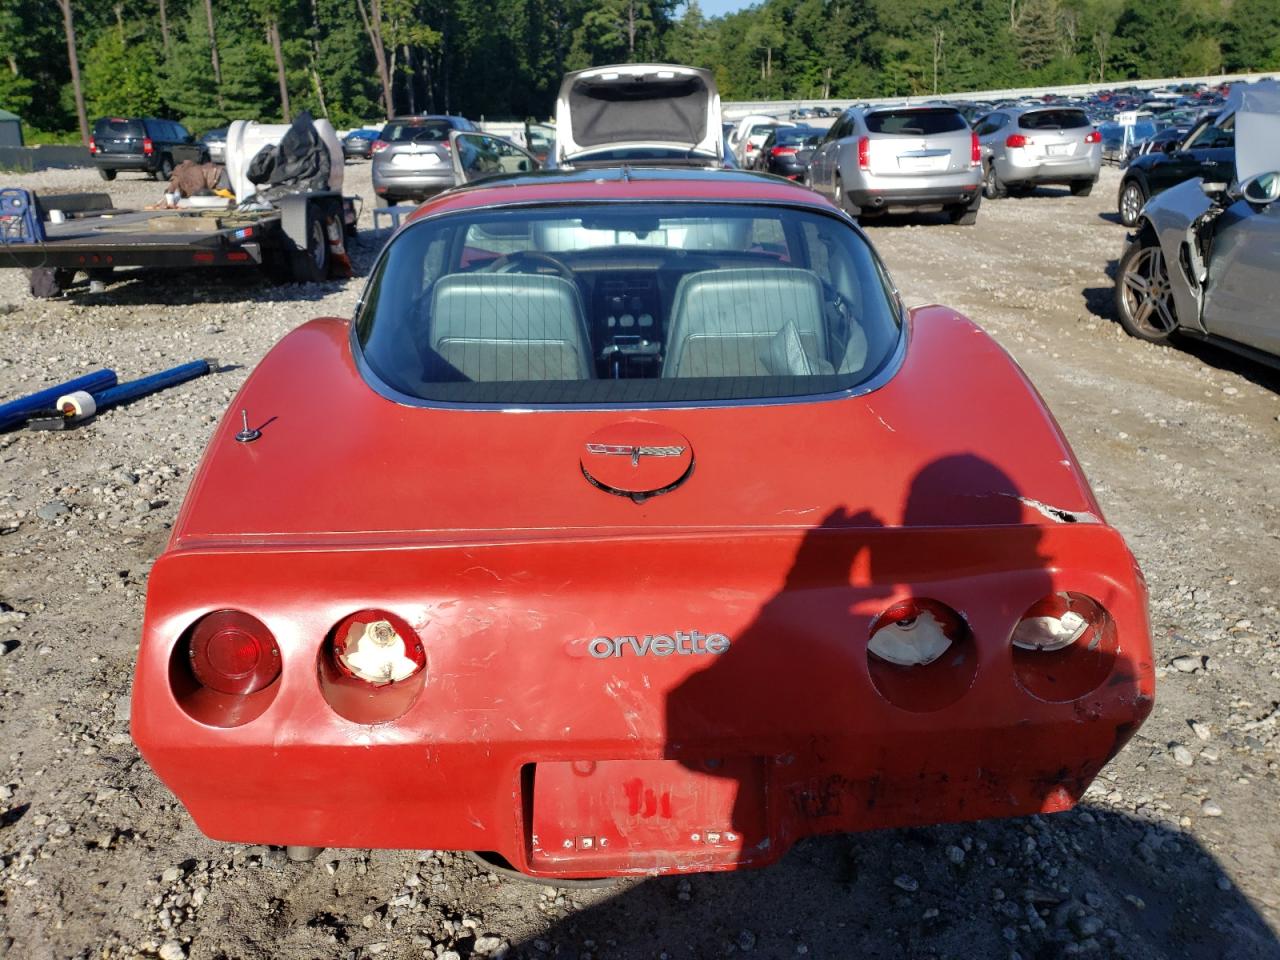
(17, 412)
(77, 405)
(19, 217)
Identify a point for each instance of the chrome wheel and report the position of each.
(1130, 204)
(1146, 297)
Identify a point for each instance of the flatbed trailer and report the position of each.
(300, 239)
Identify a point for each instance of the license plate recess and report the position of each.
(638, 815)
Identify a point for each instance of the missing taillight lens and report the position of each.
(233, 652)
(921, 655)
(377, 647)
(1064, 647)
(914, 632)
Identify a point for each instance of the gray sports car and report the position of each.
(1205, 260)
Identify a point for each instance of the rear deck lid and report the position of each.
(917, 141)
(639, 112)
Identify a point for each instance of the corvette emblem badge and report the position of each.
(635, 452)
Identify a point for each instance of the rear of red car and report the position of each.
(608, 637)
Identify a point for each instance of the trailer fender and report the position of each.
(303, 221)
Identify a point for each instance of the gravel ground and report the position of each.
(1175, 853)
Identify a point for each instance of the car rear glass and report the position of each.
(418, 131)
(1054, 120)
(118, 128)
(916, 123)
(794, 135)
(636, 303)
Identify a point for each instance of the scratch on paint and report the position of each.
(1055, 513)
(615, 688)
(491, 573)
(883, 422)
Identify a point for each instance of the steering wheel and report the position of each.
(514, 262)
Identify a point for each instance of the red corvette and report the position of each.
(633, 526)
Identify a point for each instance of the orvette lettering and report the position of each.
(679, 642)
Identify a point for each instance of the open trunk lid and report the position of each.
(639, 108)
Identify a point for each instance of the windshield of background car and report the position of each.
(635, 303)
(916, 123)
(1054, 120)
(418, 132)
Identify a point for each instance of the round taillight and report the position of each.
(233, 652)
(377, 647)
(921, 655)
(1064, 647)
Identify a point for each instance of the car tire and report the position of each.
(312, 264)
(965, 214)
(1129, 203)
(1081, 188)
(993, 187)
(165, 171)
(841, 199)
(106, 174)
(1144, 297)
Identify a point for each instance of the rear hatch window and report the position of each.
(114, 128)
(633, 304)
(416, 132)
(1054, 120)
(916, 123)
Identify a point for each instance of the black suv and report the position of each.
(142, 143)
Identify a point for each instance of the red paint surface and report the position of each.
(801, 523)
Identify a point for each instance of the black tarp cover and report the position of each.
(298, 164)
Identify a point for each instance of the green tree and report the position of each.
(1251, 40)
(119, 77)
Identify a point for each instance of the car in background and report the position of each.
(411, 158)
(1118, 139)
(754, 137)
(779, 154)
(358, 144)
(1165, 140)
(215, 142)
(743, 127)
(1023, 148)
(900, 159)
(506, 613)
(1208, 151)
(146, 144)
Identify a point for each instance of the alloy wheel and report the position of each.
(1130, 204)
(1147, 294)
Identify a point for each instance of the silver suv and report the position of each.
(897, 159)
(411, 158)
(1025, 147)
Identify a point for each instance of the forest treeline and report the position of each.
(207, 61)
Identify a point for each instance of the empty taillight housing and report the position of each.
(380, 145)
(372, 666)
(1064, 647)
(864, 153)
(148, 148)
(975, 151)
(921, 655)
(1093, 137)
(1015, 140)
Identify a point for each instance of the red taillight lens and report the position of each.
(148, 147)
(377, 647)
(783, 151)
(1015, 140)
(975, 152)
(448, 147)
(1093, 137)
(864, 153)
(232, 652)
(93, 145)
(750, 147)
(380, 145)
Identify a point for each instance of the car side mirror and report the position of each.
(1262, 189)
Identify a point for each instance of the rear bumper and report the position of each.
(519, 740)
(1057, 171)
(883, 195)
(125, 161)
(389, 181)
